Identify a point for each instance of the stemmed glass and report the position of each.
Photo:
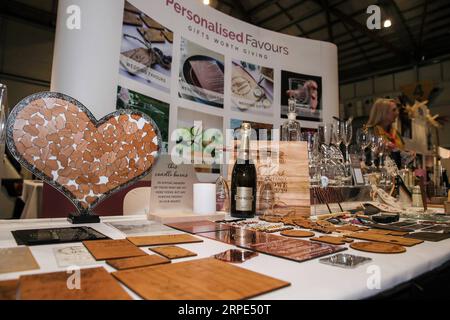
(363, 140)
(313, 155)
(374, 147)
(382, 148)
(337, 133)
(325, 136)
(347, 134)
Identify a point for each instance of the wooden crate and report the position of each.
(288, 170)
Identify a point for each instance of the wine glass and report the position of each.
(337, 133)
(347, 134)
(327, 134)
(374, 147)
(382, 149)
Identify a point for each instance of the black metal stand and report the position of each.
(77, 218)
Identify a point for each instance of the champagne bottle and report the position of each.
(243, 179)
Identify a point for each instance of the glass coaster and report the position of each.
(345, 260)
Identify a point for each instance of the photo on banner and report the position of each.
(252, 88)
(307, 91)
(263, 130)
(146, 50)
(155, 109)
(200, 137)
(201, 74)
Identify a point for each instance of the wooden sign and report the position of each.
(95, 284)
(288, 168)
(186, 281)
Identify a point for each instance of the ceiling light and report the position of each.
(206, 2)
(387, 23)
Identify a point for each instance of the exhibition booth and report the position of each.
(182, 154)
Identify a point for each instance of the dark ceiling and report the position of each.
(420, 31)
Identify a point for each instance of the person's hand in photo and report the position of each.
(312, 88)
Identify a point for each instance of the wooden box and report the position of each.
(286, 163)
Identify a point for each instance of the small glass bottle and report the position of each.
(290, 130)
(222, 195)
(266, 197)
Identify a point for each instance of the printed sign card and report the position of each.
(172, 187)
(73, 256)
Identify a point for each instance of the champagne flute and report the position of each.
(347, 134)
(363, 140)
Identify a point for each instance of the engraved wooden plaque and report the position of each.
(96, 284)
(200, 279)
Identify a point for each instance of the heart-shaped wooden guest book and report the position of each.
(61, 142)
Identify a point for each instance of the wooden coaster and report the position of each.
(173, 252)
(163, 239)
(377, 247)
(383, 238)
(186, 281)
(332, 240)
(112, 249)
(95, 284)
(8, 289)
(297, 233)
(137, 262)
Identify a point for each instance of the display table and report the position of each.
(309, 280)
(32, 197)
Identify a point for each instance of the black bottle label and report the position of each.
(244, 198)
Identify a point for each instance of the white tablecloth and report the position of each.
(309, 280)
(32, 196)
